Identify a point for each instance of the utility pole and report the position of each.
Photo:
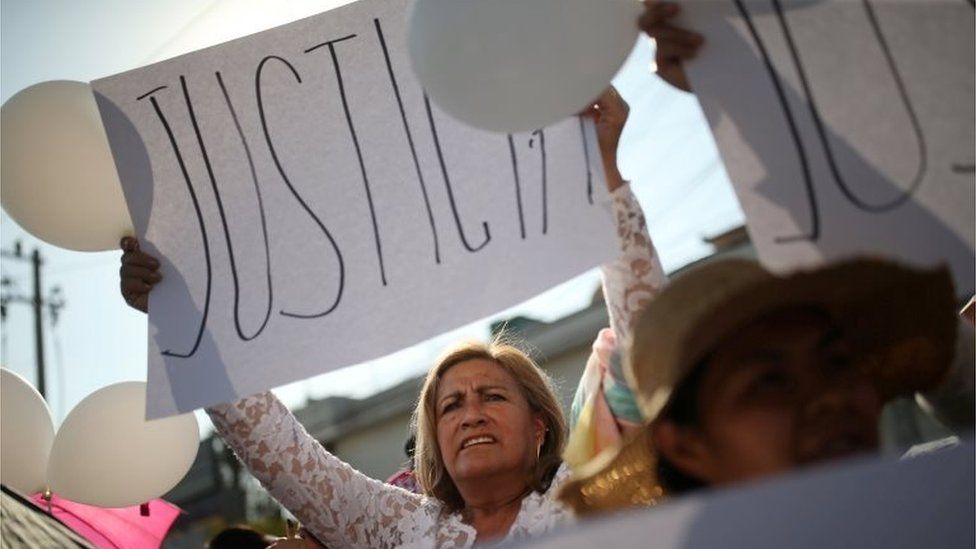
(54, 301)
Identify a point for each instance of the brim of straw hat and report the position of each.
(901, 320)
(616, 479)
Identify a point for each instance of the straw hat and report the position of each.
(900, 319)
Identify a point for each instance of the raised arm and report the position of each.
(603, 409)
(337, 504)
(636, 275)
(632, 279)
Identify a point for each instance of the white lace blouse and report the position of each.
(344, 508)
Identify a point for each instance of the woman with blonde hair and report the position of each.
(489, 428)
(447, 418)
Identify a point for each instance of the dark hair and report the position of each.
(409, 448)
(683, 411)
(240, 536)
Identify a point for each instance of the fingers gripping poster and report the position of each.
(846, 126)
(312, 209)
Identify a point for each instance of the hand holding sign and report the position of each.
(139, 273)
(609, 114)
(673, 45)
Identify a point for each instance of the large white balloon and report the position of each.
(516, 65)
(59, 181)
(26, 434)
(107, 454)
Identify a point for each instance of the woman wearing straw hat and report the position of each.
(741, 374)
(490, 432)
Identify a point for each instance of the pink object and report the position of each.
(405, 479)
(121, 528)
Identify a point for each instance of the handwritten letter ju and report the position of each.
(846, 126)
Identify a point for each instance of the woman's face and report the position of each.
(485, 427)
(780, 393)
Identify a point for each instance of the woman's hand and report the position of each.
(609, 113)
(138, 274)
(674, 44)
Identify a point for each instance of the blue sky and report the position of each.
(666, 151)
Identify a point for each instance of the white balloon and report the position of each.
(107, 454)
(517, 65)
(59, 179)
(26, 434)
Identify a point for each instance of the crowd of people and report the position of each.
(726, 374)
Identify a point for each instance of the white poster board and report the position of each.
(847, 127)
(927, 501)
(313, 210)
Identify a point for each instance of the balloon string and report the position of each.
(144, 509)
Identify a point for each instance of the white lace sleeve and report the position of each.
(630, 282)
(636, 276)
(339, 505)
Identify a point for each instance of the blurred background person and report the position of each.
(741, 374)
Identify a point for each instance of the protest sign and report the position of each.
(312, 209)
(846, 127)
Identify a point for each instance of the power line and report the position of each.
(54, 302)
